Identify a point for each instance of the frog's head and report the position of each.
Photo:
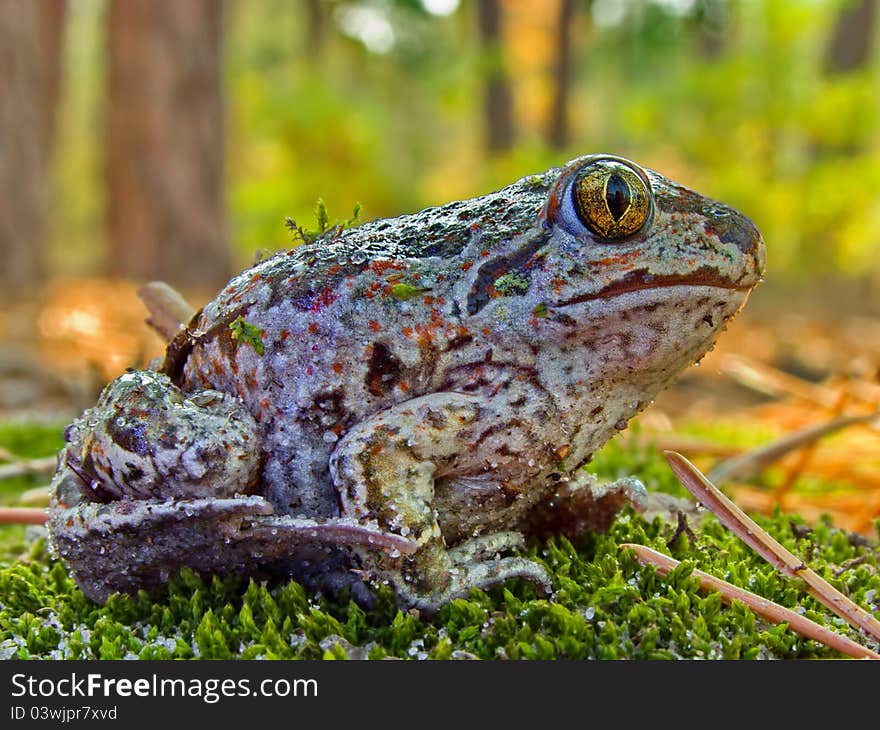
(641, 270)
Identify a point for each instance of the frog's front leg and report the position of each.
(385, 470)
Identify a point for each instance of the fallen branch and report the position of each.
(770, 381)
(762, 543)
(769, 610)
(746, 466)
(22, 516)
(169, 311)
(43, 465)
(36, 497)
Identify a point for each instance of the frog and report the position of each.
(403, 401)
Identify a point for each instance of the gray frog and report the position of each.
(402, 400)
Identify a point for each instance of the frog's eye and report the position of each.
(611, 199)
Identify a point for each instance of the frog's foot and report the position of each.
(584, 504)
(467, 575)
(384, 471)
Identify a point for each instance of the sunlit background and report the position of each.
(146, 139)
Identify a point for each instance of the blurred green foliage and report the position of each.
(731, 97)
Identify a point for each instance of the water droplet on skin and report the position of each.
(330, 437)
(621, 424)
(358, 258)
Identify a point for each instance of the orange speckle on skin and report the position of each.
(563, 451)
(467, 265)
(374, 325)
(484, 253)
(403, 386)
(429, 300)
(407, 331)
(337, 367)
(375, 450)
(380, 266)
(285, 334)
(333, 269)
(313, 327)
(486, 331)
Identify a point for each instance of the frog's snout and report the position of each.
(733, 227)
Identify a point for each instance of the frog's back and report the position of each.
(317, 338)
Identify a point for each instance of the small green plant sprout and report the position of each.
(322, 224)
(512, 284)
(244, 332)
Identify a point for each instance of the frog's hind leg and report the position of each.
(584, 504)
(384, 469)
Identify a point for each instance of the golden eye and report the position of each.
(611, 199)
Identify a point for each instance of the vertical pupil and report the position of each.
(617, 196)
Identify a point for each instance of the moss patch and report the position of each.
(605, 605)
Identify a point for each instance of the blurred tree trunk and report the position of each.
(498, 95)
(316, 29)
(557, 130)
(712, 31)
(31, 35)
(165, 136)
(852, 39)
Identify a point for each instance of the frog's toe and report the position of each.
(482, 575)
(485, 546)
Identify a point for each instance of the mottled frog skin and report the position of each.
(409, 394)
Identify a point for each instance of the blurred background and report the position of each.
(169, 139)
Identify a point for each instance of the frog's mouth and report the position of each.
(641, 280)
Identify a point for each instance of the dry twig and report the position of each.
(42, 465)
(769, 610)
(169, 311)
(751, 463)
(22, 516)
(762, 543)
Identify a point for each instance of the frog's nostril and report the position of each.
(738, 230)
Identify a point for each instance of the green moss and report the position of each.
(245, 333)
(512, 284)
(605, 604)
(322, 224)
